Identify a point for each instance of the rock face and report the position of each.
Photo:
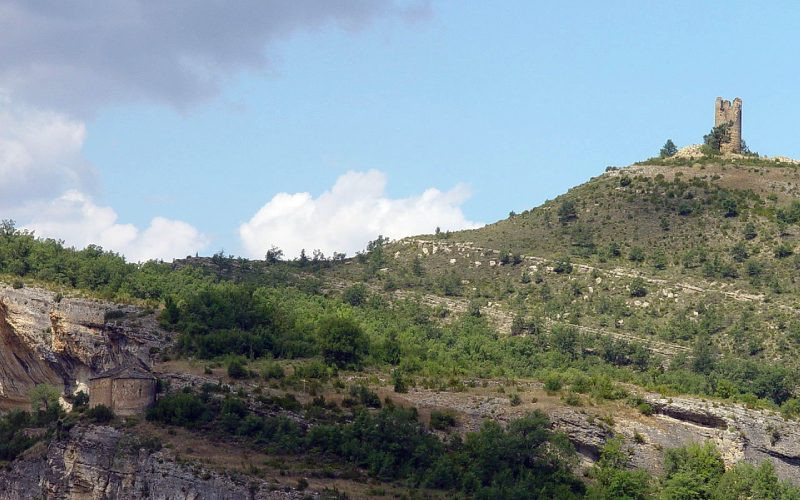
(741, 434)
(97, 462)
(64, 341)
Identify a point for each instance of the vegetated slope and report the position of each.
(693, 260)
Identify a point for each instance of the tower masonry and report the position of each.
(725, 112)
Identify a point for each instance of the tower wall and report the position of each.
(730, 113)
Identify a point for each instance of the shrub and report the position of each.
(637, 288)
(749, 231)
(552, 383)
(636, 254)
(515, 399)
(783, 250)
(399, 382)
(272, 371)
(100, 414)
(182, 408)
(442, 420)
(342, 341)
(361, 395)
(562, 266)
(17, 285)
(668, 150)
(355, 295)
(567, 212)
(80, 401)
(237, 369)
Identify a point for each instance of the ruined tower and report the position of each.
(725, 112)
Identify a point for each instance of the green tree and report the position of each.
(718, 136)
(567, 212)
(44, 398)
(342, 341)
(692, 471)
(613, 478)
(747, 481)
(668, 150)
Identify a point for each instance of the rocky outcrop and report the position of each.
(45, 338)
(96, 462)
(740, 433)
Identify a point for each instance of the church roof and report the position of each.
(125, 372)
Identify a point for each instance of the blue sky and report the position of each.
(514, 102)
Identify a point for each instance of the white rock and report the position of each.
(452, 261)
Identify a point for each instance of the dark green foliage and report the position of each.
(227, 318)
(399, 382)
(729, 207)
(718, 136)
(390, 444)
(355, 295)
(13, 440)
(744, 480)
(100, 414)
(526, 460)
(614, 480)
(80, 401)
(790, 214)
(783, 250)
(749, 231)
(637, 288)
(360, 395)
(562, 266)
(342, 342)
(636, 254)
(184, 409)
(692, 472)
(237, 369)
(668, 150)
(567, 211)
(442, 420)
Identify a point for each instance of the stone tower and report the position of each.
(725, 112)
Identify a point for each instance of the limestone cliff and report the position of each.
(96, 462)
(63, 341)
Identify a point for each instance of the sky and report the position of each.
(173, 128)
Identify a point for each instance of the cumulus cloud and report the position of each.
(78, 55)
(40, 154)
(76, 219)
(354, 211)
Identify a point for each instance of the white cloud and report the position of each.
(40, 154)
(74, 218)
(355, 211)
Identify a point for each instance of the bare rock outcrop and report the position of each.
(97, 462)
(740, 433)
(45, 338)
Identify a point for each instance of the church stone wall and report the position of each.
(132, 396)
(125, 396)
(100, 392)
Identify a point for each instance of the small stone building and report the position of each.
(127, 390)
